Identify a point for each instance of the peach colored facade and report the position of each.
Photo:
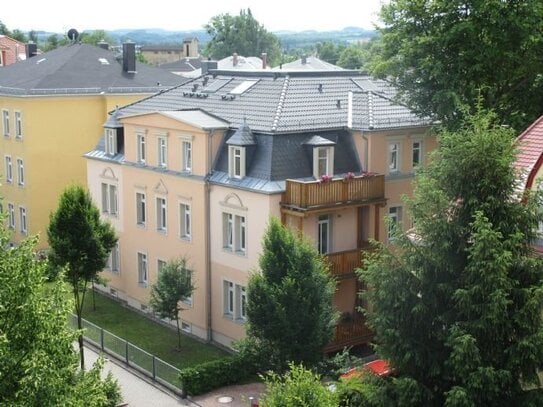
(221, 267)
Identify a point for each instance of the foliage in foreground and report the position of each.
(289, 305)
(38, 364)
(457, 311)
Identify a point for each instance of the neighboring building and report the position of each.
(198, 170)
(183, 66)
(11, 51)
(308, 64)
(530, 162)
(234, 62)
(162, 54)
(52, 107)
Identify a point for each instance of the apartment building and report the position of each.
(197, 171)
(52, 108)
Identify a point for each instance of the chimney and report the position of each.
(129, 57)
(207, 65)
(31, 49)
(104, 45)
(235, 59)
(264, 60)
(304, 59)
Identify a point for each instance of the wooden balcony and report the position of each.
(343, 264)
(313, 195)
(349, 333)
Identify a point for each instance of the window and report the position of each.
(160, 265)
(393, 157)
(235, 301)
(417, 153)
(324, 234)
(109, 199)
(111, 141)
(141, 212)
(5, 122)
(395, 218)
(234, 233)
(20, 172)
(141, 149)
(162, 152)
(236, 161)
(18, 125)
(186, 158)
(11, 216)
(113, 261)
(161, 214)
(185, 223)
(142, 269)
(188, 300)
(8, 169)
(22, 220)
(323, 161)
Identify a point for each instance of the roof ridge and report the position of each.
(281, 103)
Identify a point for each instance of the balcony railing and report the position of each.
(349, 333)
(307, 195)
(344, 263)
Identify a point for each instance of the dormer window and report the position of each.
(236, 161)
(323, 161)
(111, 141)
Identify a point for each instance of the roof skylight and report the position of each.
(242, 87)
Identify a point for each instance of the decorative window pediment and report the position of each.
(160, 188)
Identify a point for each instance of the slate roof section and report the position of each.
(290, 102)
(319, 141)
(530, 154)
(81, 69)
(183, 65)
(243, 136)
(310, 64)
(113, 120)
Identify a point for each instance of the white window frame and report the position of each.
(395, 217)
(161, 205)
(234, 232)
(185, 221)
(5, 123)
(160, 264)
(321, 154)
(114, 260)
(236, 162)
(189, 300)
(18, 124)
(234, 301)
(110, 199)
(20, 172)
(141, 148)
(394, 154)
(23, 220)
(141, 209)
(162, 151)
(143, 269)
(324, 228)
(416, 150)
(111, 141)
(8, 168)
(11, 215)
(186, 156)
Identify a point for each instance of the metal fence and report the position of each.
(151, 366)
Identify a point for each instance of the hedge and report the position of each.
(211, 375)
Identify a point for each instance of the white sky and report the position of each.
(294, 15)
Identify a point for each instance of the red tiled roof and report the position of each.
(530, 154)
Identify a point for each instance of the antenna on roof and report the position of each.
(73, 35)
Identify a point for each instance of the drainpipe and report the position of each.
(366, 152)
(208, 239)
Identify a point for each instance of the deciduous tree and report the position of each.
(457, 310)
(80, 242)
(289, 305)
(174, 284)
(442, 54)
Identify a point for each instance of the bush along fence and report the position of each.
(151, 366)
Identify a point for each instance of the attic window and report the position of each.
(236, 161)
(242, 87)
(323, 161)
(103, 61)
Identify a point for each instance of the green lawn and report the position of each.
(150, 336)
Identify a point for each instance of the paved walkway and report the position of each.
(136, 391)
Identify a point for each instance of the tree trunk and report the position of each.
(178, 333)
(80, 340)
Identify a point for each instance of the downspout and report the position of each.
(208, 239)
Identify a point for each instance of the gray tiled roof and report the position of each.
(319, 141)
(183, 65)
(81, 69)
(283, 102)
